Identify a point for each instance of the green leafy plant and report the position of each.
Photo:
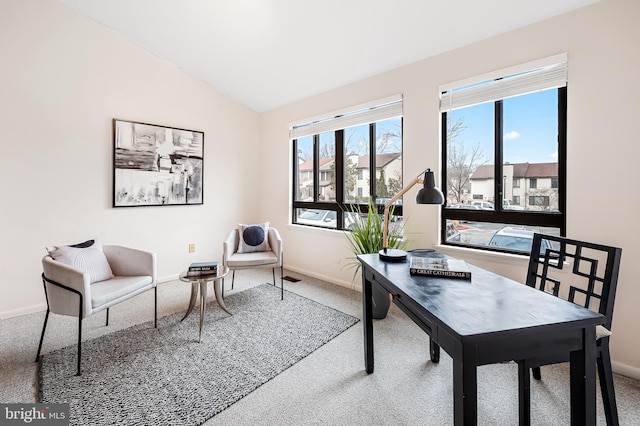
(366, 234)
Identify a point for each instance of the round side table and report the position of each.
(199, 285)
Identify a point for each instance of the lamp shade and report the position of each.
(429, 193)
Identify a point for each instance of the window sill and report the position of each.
(315, 229)
(484, 256)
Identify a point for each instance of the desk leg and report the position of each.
(583, 380)
(524, 393)
(367, 322)
(465, 391)
(434, 351)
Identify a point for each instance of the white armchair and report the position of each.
(69, 291)
(235, 261)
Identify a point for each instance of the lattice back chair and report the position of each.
(585, 274)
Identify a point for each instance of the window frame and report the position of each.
(340, 205)
(501, 215)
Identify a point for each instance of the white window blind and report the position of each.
(370, 112)
(540, 75)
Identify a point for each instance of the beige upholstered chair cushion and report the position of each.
(262, 258)
(601, 332)
(118, 289)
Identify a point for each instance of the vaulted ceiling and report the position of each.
(267, 53)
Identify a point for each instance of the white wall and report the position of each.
(603, 149)
(63, 79)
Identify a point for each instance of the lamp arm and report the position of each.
(387, 207)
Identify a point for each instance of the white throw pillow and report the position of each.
(85, 257)
(253, 238)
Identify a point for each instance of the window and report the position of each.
(504, 136)
(541, 201)
(343, 160)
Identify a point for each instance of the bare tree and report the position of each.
(327, 150)
(354, 142)
(389, 140)
(462, 161)
(306, 153)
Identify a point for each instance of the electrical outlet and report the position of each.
(192, 248)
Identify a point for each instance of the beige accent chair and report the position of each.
(235, 261)
(69, 291)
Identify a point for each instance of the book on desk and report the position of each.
(439, 267)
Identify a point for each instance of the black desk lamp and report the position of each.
(429, 194)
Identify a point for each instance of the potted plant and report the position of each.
(366, 236)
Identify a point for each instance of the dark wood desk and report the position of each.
(488, 320)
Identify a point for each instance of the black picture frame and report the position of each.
(156, 165)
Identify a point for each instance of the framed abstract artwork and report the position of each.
(156, 165)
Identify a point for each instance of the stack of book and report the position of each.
(202, 268)
(439, 267)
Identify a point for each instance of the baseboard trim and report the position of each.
(168, 278)
(43, 306)
(332, 280)
(23, 311)
(625, 370)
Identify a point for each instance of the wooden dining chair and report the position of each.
(586, 274)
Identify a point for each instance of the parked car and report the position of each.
(452, 232)
(317, 217)
(507, 205)
(516, 239)
(483, 205)
(464, 206)
(323, 218)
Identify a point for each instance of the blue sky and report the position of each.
(530, 127)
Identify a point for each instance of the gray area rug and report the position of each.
(147, 376)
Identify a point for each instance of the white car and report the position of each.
(317, 217)
(323, 218)
(483, 205)
(516, 239)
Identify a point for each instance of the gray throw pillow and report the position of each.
(87, 257)
(253, 238)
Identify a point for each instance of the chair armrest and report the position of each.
(60, 300)
(276, 244)
(126, 261)
(229, 246)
